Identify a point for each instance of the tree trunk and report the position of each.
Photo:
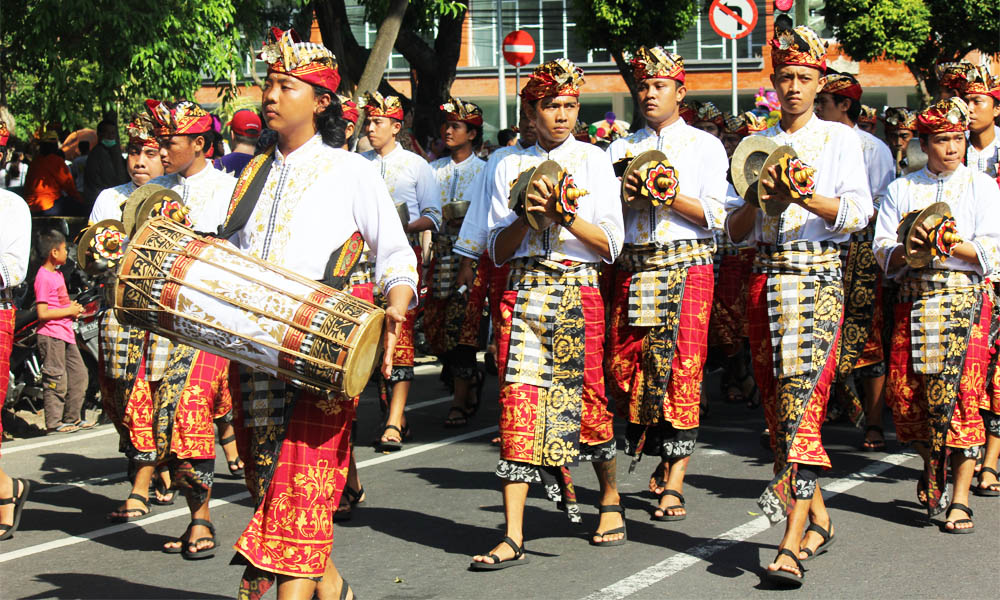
(625, 69)
(388, 30)
(331, 16)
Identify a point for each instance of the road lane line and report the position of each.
(215, 503)
(678, 562)
(75, 437)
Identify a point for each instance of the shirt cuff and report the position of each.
(459, 250)
(434, 215)
(391, 283)
(614, 247)
(715, 214)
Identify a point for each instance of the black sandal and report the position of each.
(160, 488)
(19, 497)
(390, 445)
(353, 498)
(128, 516)
(873, 445)
(235, 465)
(828, 540)
(456, 417)
(782, 578)
(665, 516)
(955, 523)
(519, 559)
(615, 508)
(345, 588)
(657, 478)
(990, 490)
(198, 554)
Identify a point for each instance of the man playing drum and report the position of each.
(662, 293)
(296, 442)
(411, 182)
(796, 290)
(551, 343)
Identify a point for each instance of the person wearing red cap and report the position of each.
(462, 133)
(940, 338)
(796, 291)
(245, 128)
(411, 182)
(656, 357)
(297, 442)
(553, 411)
(860, 353)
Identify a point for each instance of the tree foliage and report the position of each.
(919, 33)
(66, 61)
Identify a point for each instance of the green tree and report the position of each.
(624, 25)
(66, 62)
(918, 33)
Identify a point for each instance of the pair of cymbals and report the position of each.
(152, 200)
(928, 219)
(749, 165)
(664, 185)
(101, 246)
(525, 184)
(455, 210)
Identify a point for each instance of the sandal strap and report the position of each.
(17, 487)
(875, 428)
(790, 554)
(961, 507)
(393, 427)
(675, 494)
(203, 523)
(228, 440)
(6, 501)
(990, 470)
(142, 499)
(518, 550)
(611, 508)
(825, 533)
(353, 495)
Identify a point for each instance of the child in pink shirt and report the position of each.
(64, 375)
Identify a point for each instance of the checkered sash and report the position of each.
(446, 265)
(540, 286)
(659, 272)
(266, 398)
(936, 294)
(795, 273)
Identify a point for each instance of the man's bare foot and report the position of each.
(658, 480)
(503, 551)
(783, 562)
(959, 518)
(194, 532)
(812, 539)
(608, 522)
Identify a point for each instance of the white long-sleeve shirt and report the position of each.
(987, 159)
(109, 202)
(602, 206)
(410, 180)
(974, 199)
(834, 150)
(475, 230)
(206, 194)
(456, 181)
(879, 165)
(15, 239)
(313, 200)
(701, 164)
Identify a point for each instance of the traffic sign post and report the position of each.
(733, 19)
(518, 50)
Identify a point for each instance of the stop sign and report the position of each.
(518, 48)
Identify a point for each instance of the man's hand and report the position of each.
(466, 273)
(394, 319)
(632, 185)
(542, 201)
(777, 190)
(919, 239)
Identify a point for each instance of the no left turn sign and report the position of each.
(733, 19)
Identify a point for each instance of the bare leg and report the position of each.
(987, 480)
(400, 390)
(140, 487)
(198, 511)
(664, 472)
(6, 491)
(796, 524)
(226, 431)
(607, 476)
(818, 515)
(460, 402)
(353, 482)
(295, 588)
(962, 469)
(874, 403)
(675, 481)
(515, 494)
(330, 586)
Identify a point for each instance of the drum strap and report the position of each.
(247, 200)
(343, 261)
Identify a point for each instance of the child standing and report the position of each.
(64, 376)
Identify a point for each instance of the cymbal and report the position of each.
(928, 218)
(748, 162)
(404, 213)
(162, 203)
(644, 161)
(772, 208)
(916, 158)
(455, 210)
(101, 246)
(135, 199)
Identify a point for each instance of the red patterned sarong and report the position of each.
(6, 345)
(906, 396)
(488, 288)
(403, 355)
(628, 344)
(728, 325)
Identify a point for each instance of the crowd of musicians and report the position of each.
(605, 286)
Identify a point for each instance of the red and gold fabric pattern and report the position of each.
(657, 63)
(944, 116)
(376, 105)
(555, 78)
(456, 109)
(841, 84)
(286, 53)
(798, 47)
(178, 118)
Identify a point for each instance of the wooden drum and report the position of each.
(206, 293)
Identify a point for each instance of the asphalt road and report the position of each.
(436, 503)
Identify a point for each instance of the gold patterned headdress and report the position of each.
(944, 116)
(657, 63)
(800, 46)
(557, 77)
(376, 105)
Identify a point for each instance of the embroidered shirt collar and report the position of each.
(539, 151)
(305, 150)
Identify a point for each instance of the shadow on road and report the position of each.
(88, 585)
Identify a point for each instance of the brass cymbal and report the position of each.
(927, 218)
(135, 199)
(771, 207)
(748, 162)
(643, 161)
(96, 252)
(162, 203)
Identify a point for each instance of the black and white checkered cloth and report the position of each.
(656, 269)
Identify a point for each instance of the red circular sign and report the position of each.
(784, 5)
(518, 48)
(733, 19)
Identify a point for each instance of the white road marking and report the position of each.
(67, 439)
(183, 512)
(59, 487)
(678, 562)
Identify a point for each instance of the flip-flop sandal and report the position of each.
(390, 445)
(828, 541)
(64, 428)
(126, 515)
(235, 466)
(345, 589)
(957, 522)
(80, 423)
(615, 508)
(519, 559)
(873, 445)
(665, 516)
(160, 489)
(19, 497)
(456, 417)
(991, 490)
(199, 553)
(786, 579)
(353, 498)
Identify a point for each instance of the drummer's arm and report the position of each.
(741, 221)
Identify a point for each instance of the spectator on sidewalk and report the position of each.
(64, 376)
(14, 173)
(105, 164)
(245, 128)
(78, 165)
(49, 189)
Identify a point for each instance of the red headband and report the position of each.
(312, 63)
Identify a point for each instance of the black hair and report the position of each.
(854, 110)
(106, 123)
(924, 137)
(477, 143)
(504, 136)
(330, 124)
(268, 138)
(242, 139)
(83, 146)
(46, 148)
(49, 240)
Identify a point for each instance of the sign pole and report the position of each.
(517, 93)
(502, 81)
(735, 109)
